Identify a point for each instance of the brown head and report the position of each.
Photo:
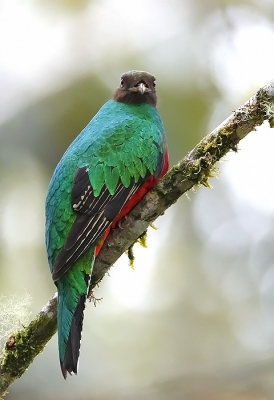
(136, 87)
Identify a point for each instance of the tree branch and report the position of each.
(195, 169)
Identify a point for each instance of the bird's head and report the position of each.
(136, 87)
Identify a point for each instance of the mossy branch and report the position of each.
(195, 169)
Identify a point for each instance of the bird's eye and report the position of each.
(153, 84)
(122, 83)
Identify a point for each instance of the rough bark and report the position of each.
(194, 169)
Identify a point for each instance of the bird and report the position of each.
(115, 160)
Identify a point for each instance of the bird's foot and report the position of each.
(92, 298)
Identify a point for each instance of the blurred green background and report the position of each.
(195, 319)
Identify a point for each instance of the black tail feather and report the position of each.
(70, 362)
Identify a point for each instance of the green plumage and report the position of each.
(70, 287)
(118, 148)
(121, 142)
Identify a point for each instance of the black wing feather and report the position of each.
(94, 216)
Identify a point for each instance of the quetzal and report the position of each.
(107, 169)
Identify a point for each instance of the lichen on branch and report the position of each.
(194, 169)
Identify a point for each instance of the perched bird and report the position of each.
(107, 169)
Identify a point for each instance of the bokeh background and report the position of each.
(195, 319)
